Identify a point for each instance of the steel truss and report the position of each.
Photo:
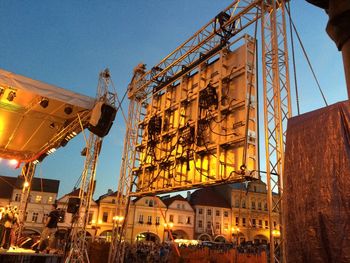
(277, 109)
(28, 170)
(27, 173)
(78, 248)
(203, 44)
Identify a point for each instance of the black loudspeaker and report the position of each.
(101, 119)
(73, 205)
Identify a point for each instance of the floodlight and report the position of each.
(44, 102)
(11, 96)
(2, 91)
(68, 109)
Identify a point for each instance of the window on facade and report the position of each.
(209, 212)
(149, 220)
(260, 223)
(265, 206)
(253, 204)
(217, 212)
(226, 226)
(91, 214)
(200, 223)
(243, 203)
(44, 218)
(225, 213)
(35, 217)
(183, 206)
(157, 220)
(49, 200)
(29, 198)
(38, 199)
(178, 206)
(146, 201)
(200, 211)
(26, 216)
(237, 221)
(243, 221)
(18, 197)
(274, 224)
(208, 225)
(253, 222)
(105, 217)
(266, 224)
(141, 219)
(188, 220)
(180, 219)
(217, 226)
(259, 205)
(150, 203)
(171, 218)
(237, 202)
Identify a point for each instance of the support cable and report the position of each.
(293, 59)
(306, 56)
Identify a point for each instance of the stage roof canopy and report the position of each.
(36, 117)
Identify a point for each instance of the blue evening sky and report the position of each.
(67, 43)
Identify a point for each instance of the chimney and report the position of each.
(188, 197)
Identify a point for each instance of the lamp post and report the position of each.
(168, 228)
(235, 233)
(117, 220)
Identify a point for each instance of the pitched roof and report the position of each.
(109, 193)
(169, 200)
(208, 197)
(7, 184)
(40, 184)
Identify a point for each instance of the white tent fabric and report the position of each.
(27, 124)
(9, 79)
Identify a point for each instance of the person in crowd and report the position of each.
(10, 220)
(47, 239)
(2, 222)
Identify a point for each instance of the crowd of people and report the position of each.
(163, 252)
(147, 252)
(8, 226)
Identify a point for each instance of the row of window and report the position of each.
(253, 205)
(37, 199)
(149, 220)
(254, 223)
(34, 218)
(180, 219)
(209, 212)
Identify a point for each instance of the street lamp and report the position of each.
(276, 233)
(117, 220)
(168, 228)
(235, 233)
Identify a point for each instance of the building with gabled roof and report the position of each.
(42, 195)
(212, 215)
(180, 215)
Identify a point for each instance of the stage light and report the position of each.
(26, 184)
(2, 91)
(44, 102)
(13, 162)
(68, 109)
(11, 96)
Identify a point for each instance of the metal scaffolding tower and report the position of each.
(78, 249)
(210, 39)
